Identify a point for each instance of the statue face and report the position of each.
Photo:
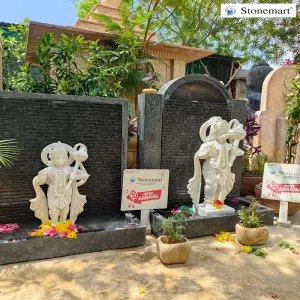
(59, 157)
(220, 130)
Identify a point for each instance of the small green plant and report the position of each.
(174, 228)
(250, 218)
(255, 165)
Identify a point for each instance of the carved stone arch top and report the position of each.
(196, 87)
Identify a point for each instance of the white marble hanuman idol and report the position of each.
(63, 181)
(219, 149)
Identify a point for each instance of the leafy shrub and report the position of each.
(174, 228)
(250, 218)
(293, 117)
(74, 66)
(255, 165)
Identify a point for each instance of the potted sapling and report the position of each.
(250, 231)
(173, 247)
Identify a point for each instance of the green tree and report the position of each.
(83, 7)
(197, 23)
(14, 51)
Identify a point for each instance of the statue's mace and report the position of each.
(79, 156)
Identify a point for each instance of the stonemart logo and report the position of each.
(230, 11)
(258, 10)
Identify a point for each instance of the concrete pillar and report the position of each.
(150, 107)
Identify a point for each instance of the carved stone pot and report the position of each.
(173, 253)
(251, 236)
(275, 204)
(248, 184)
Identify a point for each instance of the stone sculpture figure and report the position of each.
(254, 82)
(219, 156)
(62, 195)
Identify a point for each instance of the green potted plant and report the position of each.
(173, 247)
(252, 172)
(250, 231)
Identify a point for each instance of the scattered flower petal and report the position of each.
(235, 200)
(246, 249)
(225, 237)
(141, 291)
(218, 204)
(8, 227)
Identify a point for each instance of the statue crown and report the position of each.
(58, 151)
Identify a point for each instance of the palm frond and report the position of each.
(9, 151)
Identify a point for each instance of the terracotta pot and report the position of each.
(132, 153)
(173, 253)
(251, 236)
(248, 184)
(274, 204)
(149, 91)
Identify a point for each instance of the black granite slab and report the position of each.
(36, 120)
(100, 232)
(169, 124)
(201, 226)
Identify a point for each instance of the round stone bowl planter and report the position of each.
(173, 253)
(251, 236)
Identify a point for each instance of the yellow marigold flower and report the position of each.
(72, 235)
(218, 204)
(68, 223)
(246, 249)
(46, 227)
(39, 232)
(225, 237)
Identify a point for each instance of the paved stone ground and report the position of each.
(214, 271)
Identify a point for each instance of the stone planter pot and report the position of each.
(248, 184)
(149, 91)
(173, 253)
(275, 204)
(132, 153)
(251, 236)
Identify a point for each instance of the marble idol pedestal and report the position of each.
(100, 232)
(209, 211)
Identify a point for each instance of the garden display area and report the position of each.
(123, 177)
(214, 270)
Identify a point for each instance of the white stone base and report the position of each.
(148, 229)
(286, 223)
(209, 211)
